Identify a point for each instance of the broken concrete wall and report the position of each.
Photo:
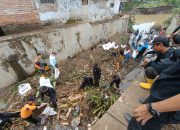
(67, 42)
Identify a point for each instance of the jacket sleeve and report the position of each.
(160, 66)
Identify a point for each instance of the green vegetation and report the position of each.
(100, 100)
(71, 21)
(150, 4)
(176, 11)
(131, 23)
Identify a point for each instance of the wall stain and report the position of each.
(78, 34)
(20, 51)
(4, 63)
(46, 41)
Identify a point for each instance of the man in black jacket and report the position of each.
(165, 86)
(115, 79)
(51, 93)
(5, 117)
(154, 68)
(96, 74)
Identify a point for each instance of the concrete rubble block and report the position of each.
(108, 123)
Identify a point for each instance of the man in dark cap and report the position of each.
(96, 74)
(51, 93)
(115, 79)
(158, 109)
(155, 67)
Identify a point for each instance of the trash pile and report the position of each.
(59, 102)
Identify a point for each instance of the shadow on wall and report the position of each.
(2, 32)
(13, 61)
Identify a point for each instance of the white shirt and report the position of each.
(45, 82)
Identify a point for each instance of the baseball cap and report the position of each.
(161, 39)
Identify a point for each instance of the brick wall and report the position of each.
(17, 12)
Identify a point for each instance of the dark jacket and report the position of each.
(97, 72)
(115, 79)
(87, 81)
(167, 84)
(51, 92)
(162, 61)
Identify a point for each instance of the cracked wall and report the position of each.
(66, 42)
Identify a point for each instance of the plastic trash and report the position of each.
(45, 128)
(24, 88)
(57, 73)
(134, 54)
(75, 122)
(76, 111)
(49, 111)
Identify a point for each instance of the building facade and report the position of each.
(40, 11)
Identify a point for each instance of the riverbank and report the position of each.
(158, 18)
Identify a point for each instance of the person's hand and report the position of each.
(142, 64)
(147, 60)
(141, 114)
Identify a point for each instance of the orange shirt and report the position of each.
(27, 110)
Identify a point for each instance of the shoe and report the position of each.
(145, 85)
(150, 80)
(128, 117)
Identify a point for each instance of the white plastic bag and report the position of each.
(134, 54)
(49, 111)
(24, 88)
(57, 73)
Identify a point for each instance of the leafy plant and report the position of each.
(100, 100)
(131, 22)
(176, 11)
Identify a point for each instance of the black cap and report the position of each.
(161, 39)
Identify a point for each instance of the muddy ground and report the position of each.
(72, 71)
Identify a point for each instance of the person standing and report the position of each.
(96, 74)
(53, 62)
